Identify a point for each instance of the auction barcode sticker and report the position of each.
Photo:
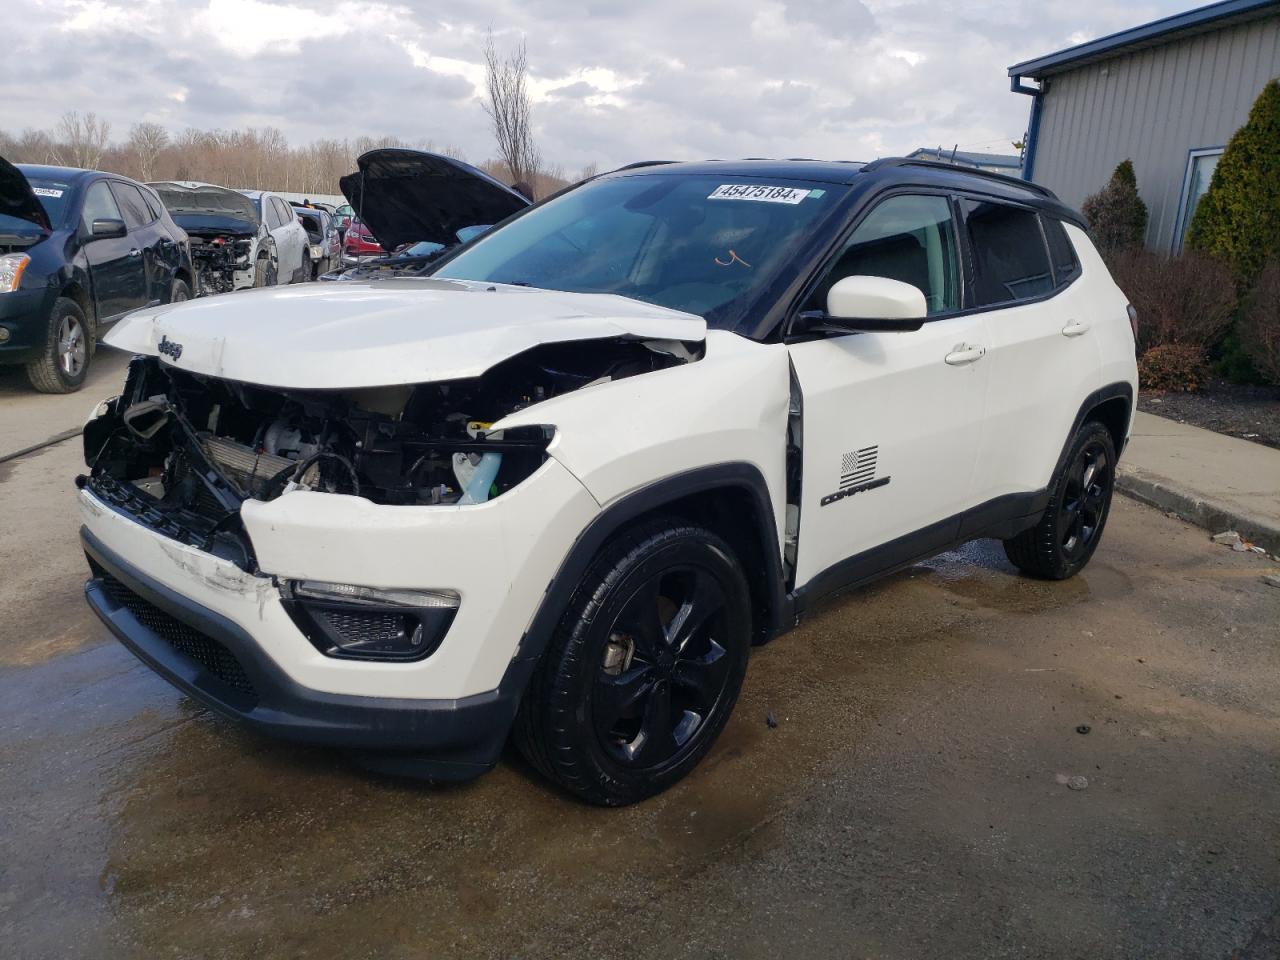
(46, 192)
(759, 192)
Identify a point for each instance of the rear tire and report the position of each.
(1066, 536)
(64, 360)
(180, 292)
(644, 668)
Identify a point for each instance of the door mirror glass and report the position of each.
(862, 303)
(105, 227)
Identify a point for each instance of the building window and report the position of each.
(1200, 166)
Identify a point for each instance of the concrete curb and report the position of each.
(1159, 492)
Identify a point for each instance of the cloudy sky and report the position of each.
(613, 82)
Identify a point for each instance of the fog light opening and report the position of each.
(353, 622)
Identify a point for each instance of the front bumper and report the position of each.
(24, 313)
(454, 706)
(215, 661)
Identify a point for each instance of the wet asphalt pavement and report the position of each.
(909, 803)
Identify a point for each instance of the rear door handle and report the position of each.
(1074, 328)
(963, 353)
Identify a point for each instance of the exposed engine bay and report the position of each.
(181, 451)
(216, 258)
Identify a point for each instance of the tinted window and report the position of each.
(1010, 259)
(98, 205)
(284, 211)
(1063, 256)
(153, 203)
(135, 210)
(910, 239)
(696, 242)
(53, 196)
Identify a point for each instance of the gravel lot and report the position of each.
(913, 800)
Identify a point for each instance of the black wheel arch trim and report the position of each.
(1121, 389)
(649, 499)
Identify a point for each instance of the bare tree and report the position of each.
(146, 141)
(82, 139)
(510, 110)
(259, 158)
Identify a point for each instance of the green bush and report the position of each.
(1177, 367)
(1116, 214)
(1238, 219)
(1260, 324)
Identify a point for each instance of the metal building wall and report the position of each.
(1152, 106)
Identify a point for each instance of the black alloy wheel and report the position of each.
(1068, 532)
(663, 670)
(1085, 499)
(644, 669)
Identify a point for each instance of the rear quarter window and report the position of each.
(1062, 255)
(1010, 259)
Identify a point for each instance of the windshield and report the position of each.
(53, 196)
(706, 244)
(423, 248)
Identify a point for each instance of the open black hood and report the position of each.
(17, 199)
(405, 196)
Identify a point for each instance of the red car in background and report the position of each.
(359, 244)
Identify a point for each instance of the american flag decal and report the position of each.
(858, 466)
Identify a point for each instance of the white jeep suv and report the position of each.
(559, 488)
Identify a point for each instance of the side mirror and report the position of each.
(105, 228)
(871, 304)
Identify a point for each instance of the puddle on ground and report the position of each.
(979, 575)
(155, 824)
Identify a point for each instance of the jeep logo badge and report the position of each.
(169, 348)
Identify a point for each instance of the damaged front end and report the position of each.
(180, 452)
(218, 257)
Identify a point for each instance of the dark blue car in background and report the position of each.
(78, 250)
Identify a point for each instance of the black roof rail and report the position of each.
(884, 162)
(641, 163)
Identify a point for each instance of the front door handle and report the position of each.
(963, 353)
(1074, 328)
(135, 252)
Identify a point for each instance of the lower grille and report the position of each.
(366, 629)
(188, 641)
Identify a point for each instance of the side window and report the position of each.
(134, 208)
(1011, 261)
(285, 211)
(1061, 254)
(153, 203)
(906, 238)
(98, 205)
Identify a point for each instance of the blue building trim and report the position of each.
(1033, 125)
(1145, 35)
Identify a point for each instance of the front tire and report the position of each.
(180, 292)
(264, 274)
(644, 669)
(1066, 536)
(64, 361)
